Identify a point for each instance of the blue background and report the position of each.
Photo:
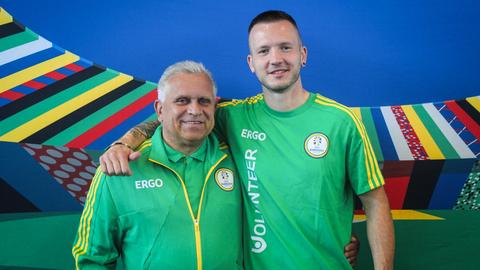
(361, 53)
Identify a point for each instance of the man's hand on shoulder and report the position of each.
(115, 160)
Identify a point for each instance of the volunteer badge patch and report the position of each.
(224, 178)
(316, 145)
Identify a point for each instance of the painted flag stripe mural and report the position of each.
(54, 101)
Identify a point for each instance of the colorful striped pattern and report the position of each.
(50, 96)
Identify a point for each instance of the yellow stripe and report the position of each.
(370, 159)
(5, 17)
(185, 192)
(424, 136)
(37, 70)
(84, 226)
(145, 144)
(83, 248)
(87, 209)
(197, 234)
(403, 215)
(60, 111)
(195, 222)
(357, 112)
(475, 102)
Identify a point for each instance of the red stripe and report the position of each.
(11, 95)
(74, 67)
(106, 125)
(469, 123)
(34, 84)
(413, 142)
(55, 75)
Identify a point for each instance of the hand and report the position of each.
(351, 250)
(115, 160)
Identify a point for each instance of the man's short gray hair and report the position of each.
(182, 67)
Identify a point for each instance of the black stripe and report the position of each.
(48, 91)
(422, 183)
(469, 109)
(82, 112)
(11, 28)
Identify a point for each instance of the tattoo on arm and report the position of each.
(145, 129)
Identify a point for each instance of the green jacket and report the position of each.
(145, 221)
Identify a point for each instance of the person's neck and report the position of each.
(288, 100)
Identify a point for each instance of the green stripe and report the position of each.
(17, 39)
(369, 124)
(33, 111)
(90, 121)
(437, 135)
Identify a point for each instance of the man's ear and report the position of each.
(158, 109)
(250, 63)
(303, 54)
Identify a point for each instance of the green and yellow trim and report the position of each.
(371, 164)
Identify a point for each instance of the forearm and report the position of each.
(380, 229)
(135, 136)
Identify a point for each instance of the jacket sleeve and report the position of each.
(96, 243)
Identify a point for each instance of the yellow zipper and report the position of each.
(196, 221)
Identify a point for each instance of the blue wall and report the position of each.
(361, 53)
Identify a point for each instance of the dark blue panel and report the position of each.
(65, 71)
(4, 101)
(45, 80)
(22, 172)
(384, 138)
(450, 183)
(23, 89)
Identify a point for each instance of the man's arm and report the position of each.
(379, 228)
(115, 160)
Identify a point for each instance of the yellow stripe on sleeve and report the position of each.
(371, 164)
(37, 70)
(45, 119)
(424, 136)
(85, 220)
(357, 112)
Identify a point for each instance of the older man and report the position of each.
(181, 209)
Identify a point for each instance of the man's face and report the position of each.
(187, 114)
(276, 55)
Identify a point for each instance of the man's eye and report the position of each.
(263, 51)
(204, 101)
(181, 101)
(286, 48)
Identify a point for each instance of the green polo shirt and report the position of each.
(188, 168)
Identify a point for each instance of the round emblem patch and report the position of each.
(316, 145)
(224, 179)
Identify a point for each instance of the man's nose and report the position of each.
(275, 57)
(194, 108)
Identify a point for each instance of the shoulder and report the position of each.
(335, 109)
(238, 103)
(145, 147)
